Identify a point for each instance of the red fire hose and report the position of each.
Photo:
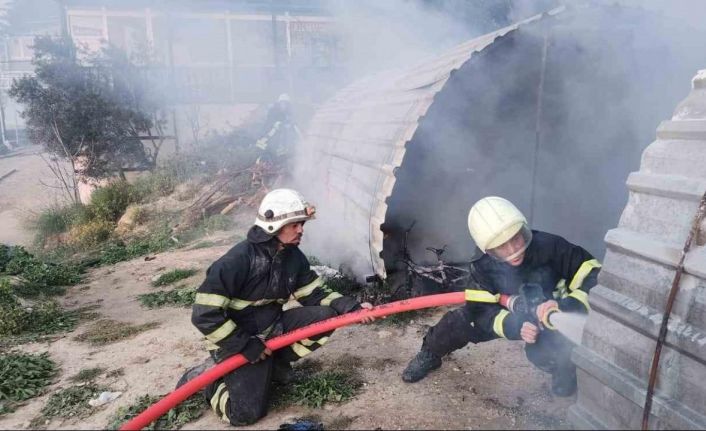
(209, 376)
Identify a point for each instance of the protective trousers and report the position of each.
(241, 397)
(551, 353)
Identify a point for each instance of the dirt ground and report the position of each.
(485, 386)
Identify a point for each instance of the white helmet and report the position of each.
(493, 221)
(280, 207)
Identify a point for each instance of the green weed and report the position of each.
(109, 203)
(37, 277)
(70, 403)
(23, 376)
(314, 390)
(183, 297)
(173, 276)
(159, 240)
(192, 408)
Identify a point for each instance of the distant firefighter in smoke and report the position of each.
(262, 288)
(281, 132)
(520, 277)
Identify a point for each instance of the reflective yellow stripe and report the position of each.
(217, 396)
(300, 350)
(225, 330)
(223, 404)
(307, 289)
(331, 296)
(482, 296)
(241, 304)
(211, 300)
(582, 273)
(498, 323)
(308, 342)
(560, 290)
(581, 296)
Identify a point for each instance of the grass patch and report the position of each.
(87, 375)
(23, 376)
(316, 388)
(109, 331)
(69, 403)
(203, 244)
(183, 297)
(173, 276)
(192, 408)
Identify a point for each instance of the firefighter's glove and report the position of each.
(255, 350)
(529, 332)
(545, 309)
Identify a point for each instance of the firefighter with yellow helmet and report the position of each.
(518, 278)
(261, 288)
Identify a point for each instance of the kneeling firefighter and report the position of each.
(259, 289)
(519, 277)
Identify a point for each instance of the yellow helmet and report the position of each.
(492, 221)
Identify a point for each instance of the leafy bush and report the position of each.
(23, 376)
(180, 297)
(37, 277)
(109, 203)
(44, 318)
(159, 183)
(91, 233)
(192, 408)
(173, 276)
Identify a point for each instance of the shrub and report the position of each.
(91, 234)
(159, 183)
(159, 240)
(23, 376)
(109, 203)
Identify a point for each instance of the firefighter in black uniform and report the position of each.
(259, 289)
(510, 262)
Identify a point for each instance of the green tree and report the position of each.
(90, 110)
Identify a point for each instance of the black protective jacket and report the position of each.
(566, 273)
(241, 299)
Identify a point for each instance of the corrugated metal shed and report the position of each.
(627, 305)
(358, 139)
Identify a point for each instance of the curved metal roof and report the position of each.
(358, 139)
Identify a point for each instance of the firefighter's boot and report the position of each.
(420, 366)
(564, 381)
(282, 372)
(194, 372)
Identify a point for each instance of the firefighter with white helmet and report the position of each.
(261, 288)
(519, 277)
